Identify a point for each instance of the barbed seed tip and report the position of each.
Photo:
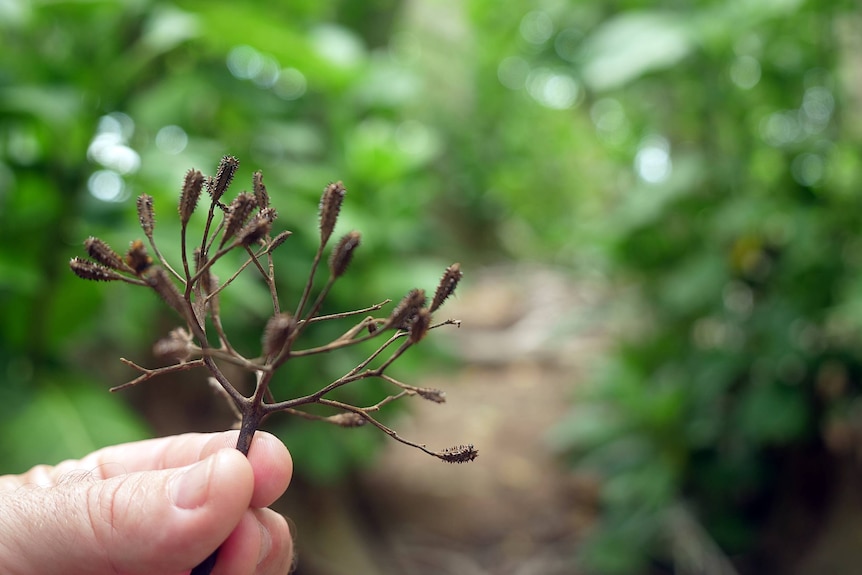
(279, 239)
(346, 419)
(432, 394)
(343, 253)
(447, 285)
(192, 185)
(146, 216)
(237, 214)
(258, 227)
(104, 254)
(260, 194)
(420, 325)
(88, 270)
(406, 310)
(224, 176)
(158, 279)
(137, 257)
(278, 330)
(330, 207)
(459, 454)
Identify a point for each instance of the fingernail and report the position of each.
(265, 543)
(189, 487)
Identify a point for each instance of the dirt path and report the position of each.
(516, 510)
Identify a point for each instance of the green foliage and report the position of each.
(701, 156)
(737, 227)
(101, 101)
(65, 417)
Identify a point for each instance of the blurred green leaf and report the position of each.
(66, 418)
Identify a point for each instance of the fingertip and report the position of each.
(273, 468)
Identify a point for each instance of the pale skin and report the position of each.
(154, 507)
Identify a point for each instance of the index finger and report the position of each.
(268, 457)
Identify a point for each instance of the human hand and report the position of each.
(152, 507)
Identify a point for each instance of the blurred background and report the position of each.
(656, 205)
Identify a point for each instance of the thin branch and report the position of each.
(266, 277)
(338, 344)
(308, 284)
(387, 430)
(345, 314)
(151, 373)
(163, 261)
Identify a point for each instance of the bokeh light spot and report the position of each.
(652, 161)
(291, 84)
(512, 72)
(537, 27)
(807, 169)
(107, 186)
(244, 62)
(171, 139)
(745, 72)
(553, 89)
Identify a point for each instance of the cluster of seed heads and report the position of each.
(246, 224)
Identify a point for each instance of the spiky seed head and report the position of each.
(208, 281)
(420, 324)
(447, 285)
(104, 254)
(342, 254)
(459, 454)
(146, 216)
(330, 206)
(431, 394)
(224, 176)
(192, 185)
(137, 258)
(258, 227)
(260, 194)
(158, 279)
(237, 214)
(347, 419)
(278, 330)
(278, 240)
(177, 346)
(406, 310)
(88, 270)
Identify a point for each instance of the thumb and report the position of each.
(162, 521)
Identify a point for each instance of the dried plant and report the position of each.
(245, 224)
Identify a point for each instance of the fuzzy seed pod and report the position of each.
(459, 454)
(406, 310)
(258, 227)
(447, 285)
(192, 185)
(260, 194)
(343, 254)
(238, 212)
(431, 394)
(137, 257)
(278, 330)
(224, 176)
(278, 240)
(88, 270)
(177, 346)
(330, 206)
(104, 254)
(420, 324)
(146, 216)
(158, 279)
(208, 281)
(347, 419)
